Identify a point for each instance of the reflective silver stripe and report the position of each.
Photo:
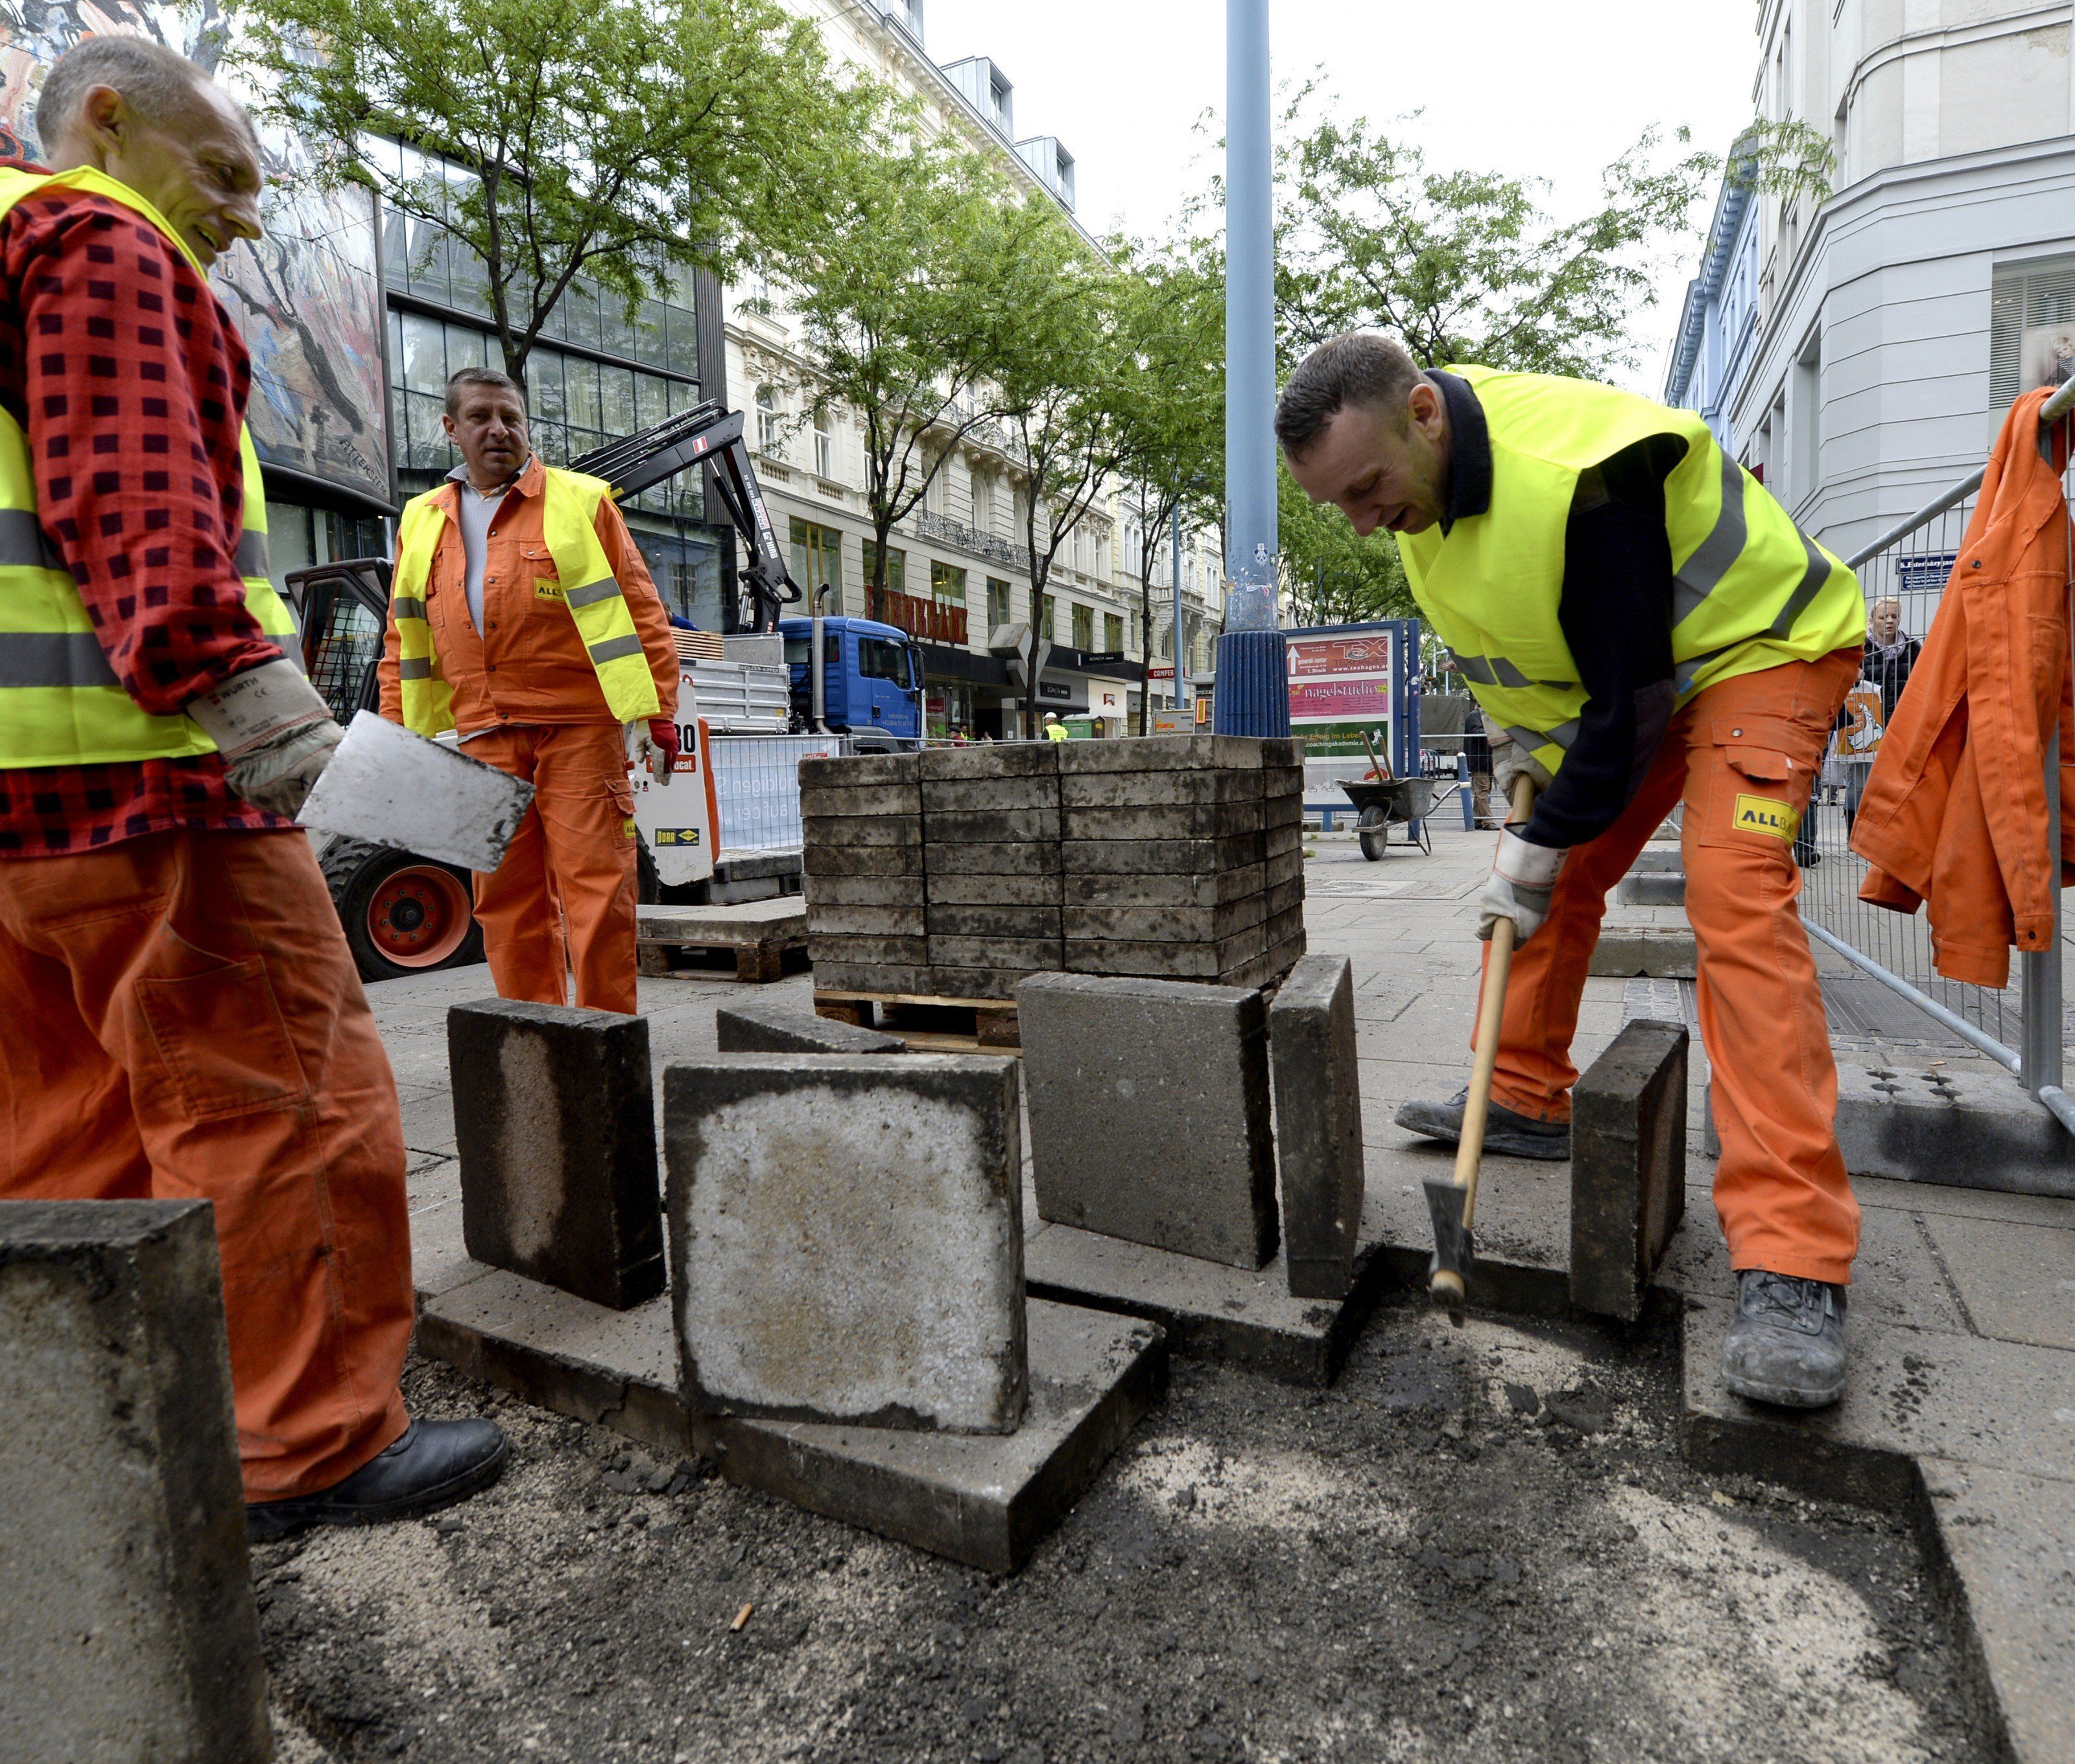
(408, 607)
(251, 556)
(614, 647)
(1562, 735)
(1713, 556)
(1497, 671)
(415, 668)
(24, 543)
(593, 592)
(54, 658)
(1811, 585)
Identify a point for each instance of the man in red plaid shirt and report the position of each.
(185, 1018)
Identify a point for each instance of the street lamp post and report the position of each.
(1253, 690)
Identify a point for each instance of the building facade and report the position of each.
(958, 569)
(1718, 322)
(1896, 322)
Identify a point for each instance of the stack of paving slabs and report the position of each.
(862, 823)
(1182, 857)
(954, 873)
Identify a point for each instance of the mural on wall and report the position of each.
(308, 297)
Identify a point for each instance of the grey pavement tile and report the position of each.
(1930, 1198)
(2017, 1281)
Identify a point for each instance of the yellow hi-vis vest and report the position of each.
(604, 620)
(1750, 590)
(59, 702)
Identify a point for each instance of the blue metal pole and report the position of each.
(1253, 690)
(1180, 667)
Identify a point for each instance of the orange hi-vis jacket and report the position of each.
(1955, 810)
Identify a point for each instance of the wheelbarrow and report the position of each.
(1383, 803)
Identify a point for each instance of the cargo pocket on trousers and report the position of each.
(220, 1037)
(1759, 782)
(623, 803)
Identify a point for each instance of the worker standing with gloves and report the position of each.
(1647, 625)
(184, 1017)
(522, 615)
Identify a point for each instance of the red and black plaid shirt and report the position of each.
(131, 384)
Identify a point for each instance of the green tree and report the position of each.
(617, 143)
(1167, 402)
(1331, 574)
(1466, 266)
(915, 289)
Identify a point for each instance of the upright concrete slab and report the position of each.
(756, 1027)
(1654, 941)
(1318, 1123)
(1628, 1166)
(555, 1124)
(1149, 1112)
(127, 1627)
(847, 1236)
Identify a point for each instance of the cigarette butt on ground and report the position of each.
(741, 1617)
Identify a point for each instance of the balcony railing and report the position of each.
(956, 532)
(931, 619)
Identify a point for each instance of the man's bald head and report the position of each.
(160, 84)
(151, 119)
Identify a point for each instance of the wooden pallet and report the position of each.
(929, 1023)
(757, 934)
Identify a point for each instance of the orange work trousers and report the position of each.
(185, 1022)
(1741, 756)
(574, 848)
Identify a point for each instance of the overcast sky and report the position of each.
(1516, 86)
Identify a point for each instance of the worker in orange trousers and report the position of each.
(183, 1018)
(522, 615)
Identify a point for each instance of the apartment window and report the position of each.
(767, 419)
(1112, 631)
(825, 444)
(2031, 327)
(947, 583)
(1084, 628)
(1047, 619)
(997, 603)
(818, 563)
(983, 503)
(896, 566)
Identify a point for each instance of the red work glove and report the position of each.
(664, 733)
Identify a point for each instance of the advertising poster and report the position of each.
(306, 298)
(1860, 739)
(1341, 679)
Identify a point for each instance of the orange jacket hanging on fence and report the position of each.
(1955, 812)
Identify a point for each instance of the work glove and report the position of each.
(275, 733)
(1523, 877)
(652, 743)
(1510, 760)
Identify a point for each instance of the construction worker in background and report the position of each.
(184, 1019)
(1054, 730)
(522, 615)
(1643, 624)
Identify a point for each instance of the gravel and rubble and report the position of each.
(1480, 1543)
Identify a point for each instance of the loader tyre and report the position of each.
(402, 914)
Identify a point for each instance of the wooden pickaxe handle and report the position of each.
(1448, 1286)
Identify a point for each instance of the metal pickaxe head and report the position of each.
(1455, 1245)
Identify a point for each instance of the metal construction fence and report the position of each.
(2019, 1027)
(756, 788)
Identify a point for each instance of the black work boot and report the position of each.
(1506, 1134)
(1787, 1344)
(436, 1463)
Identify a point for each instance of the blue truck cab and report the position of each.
(871, 686)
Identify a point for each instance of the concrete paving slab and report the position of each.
(1962, 1123)
(1628, 1167)
(1632, 940)
(846, 1237)
(1912, 1393)
(127, 1624)
(775, 1027)
(2017, 1283)
(2008, 1543)
(985, 1501)
(1317, 1124)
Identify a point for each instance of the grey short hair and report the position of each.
(1356, 367)
(160, 84)
(480, 376)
